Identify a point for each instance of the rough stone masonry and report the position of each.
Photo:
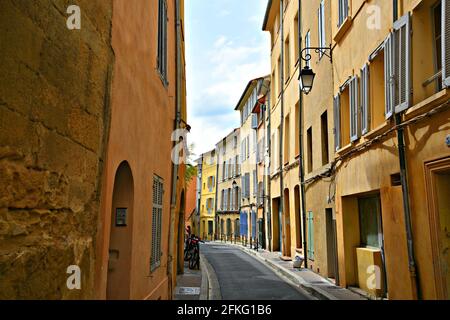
(54, 119)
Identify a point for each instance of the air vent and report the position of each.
(396, 180)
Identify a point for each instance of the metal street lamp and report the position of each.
(307, 75)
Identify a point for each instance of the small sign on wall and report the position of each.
(121, 217)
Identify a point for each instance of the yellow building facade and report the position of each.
(390, 67)
(248, 148)
(208, 195)
(375, 137)
(229, 187)
(281, 21)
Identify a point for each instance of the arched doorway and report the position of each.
(237, 228)
(181, 236)
(286, 225)
(120, 243)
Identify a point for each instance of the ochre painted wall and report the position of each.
(142, 121)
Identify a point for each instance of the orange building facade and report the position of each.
(142, 205)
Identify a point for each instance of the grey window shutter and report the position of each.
(337, 122)
(158, 187)
(389, 76)
(354, 102)
(364, 101)
(402, 63)
(446, 43)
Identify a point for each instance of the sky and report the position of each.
(225, 49)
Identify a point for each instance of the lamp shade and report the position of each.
(307, 76)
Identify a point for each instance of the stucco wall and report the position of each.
(143, 113)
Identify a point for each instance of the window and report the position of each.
(162, 40)
(280, 76)
(354, 103)
(321, 19)
(155, 259)
(445, 36)
(310, 150)
(238, 167)
(398, 67)
(247, 185)
(325, 146)
(287, 59)
(287, 135)
(370, 221)
(296, 39)
(342, 117)
(343, 11)
(365, 94)
(308, 45)
(222, 198)
(255, 184)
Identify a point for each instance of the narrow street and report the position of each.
(242, 277)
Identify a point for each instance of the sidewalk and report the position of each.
(304, 278)
(192, 285)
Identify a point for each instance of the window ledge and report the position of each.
(343, 29)
(345, 149)
(378, 130)
(428, 104)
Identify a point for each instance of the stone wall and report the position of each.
(54, 120)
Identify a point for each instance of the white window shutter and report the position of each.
(364, 100)
(337, 122)
(389, 76)
(446, 43)
(402, 63)
(354, 126)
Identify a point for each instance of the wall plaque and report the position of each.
(121, 217)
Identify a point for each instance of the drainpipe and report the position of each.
(217, 192)
(175, 167)
(268, 169)
(405, 191)
(281, 207)
(300, 140)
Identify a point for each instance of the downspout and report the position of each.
(405, 190)
(175, 166)
(300, 141)
(281, 207)
(216, 215)
(269, 184)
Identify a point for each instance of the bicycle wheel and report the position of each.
(194, 261)
(187, 255)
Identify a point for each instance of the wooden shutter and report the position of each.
(155, 259)
(446, 43)
(337, 122)
(354, 103)
(389, 77)
(364, 100)
(402, 64)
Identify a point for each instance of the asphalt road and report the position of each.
(242, 277)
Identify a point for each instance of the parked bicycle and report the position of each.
(192, 252)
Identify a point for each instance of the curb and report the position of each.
(210, 289)
(314, 291)
(204, 287)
